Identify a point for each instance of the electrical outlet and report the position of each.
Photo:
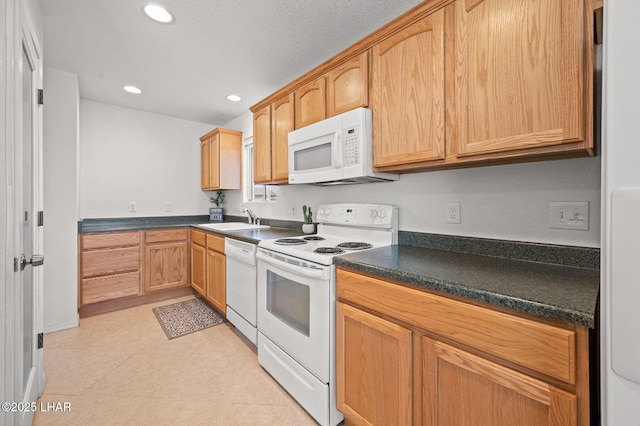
(168, 206)
(132, 206)
(453, 212)
(569, 215)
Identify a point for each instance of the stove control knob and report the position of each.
(373, 214)
(327, 211)
(321, 212)
(382, 214)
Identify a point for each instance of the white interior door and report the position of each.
(29, 376)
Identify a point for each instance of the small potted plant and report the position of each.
(216, 214)
(308, 227)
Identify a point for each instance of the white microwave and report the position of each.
(334, 151)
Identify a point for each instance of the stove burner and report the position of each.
(290, 241)
(354, 245)
(328, 250)
(313, 238)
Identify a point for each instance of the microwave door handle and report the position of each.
(305, 272)
(337, 150)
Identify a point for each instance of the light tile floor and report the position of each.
(120, 369)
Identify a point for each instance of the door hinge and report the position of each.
(40, 340)
(41, 218)
(40, 97)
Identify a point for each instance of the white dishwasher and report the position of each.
(241, 286)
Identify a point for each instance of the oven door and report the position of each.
(294, 308)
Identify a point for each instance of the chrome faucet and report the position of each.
(252, 216)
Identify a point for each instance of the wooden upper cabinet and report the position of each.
(407, 95)
(262, 145)
(271, 127)
(205, 163)
(282, 122)
(520, 74)
(310, 103)
(214, 161)
(221, 159)
(348, 85)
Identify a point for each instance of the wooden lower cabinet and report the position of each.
(198, 268)
(406, 356)
(166, 259)
(208, 268)
(374, 368)
(109, 266)
(459, 388)
(118, 269)
(216, 281)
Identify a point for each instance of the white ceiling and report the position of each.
(214, 48)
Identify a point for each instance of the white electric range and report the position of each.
(296, 300)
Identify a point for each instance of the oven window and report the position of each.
(315, 157)
(288, 301)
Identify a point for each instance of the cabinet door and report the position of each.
(281, 124)
(519, 74)
(310, 104)
(205, 163)
(407, 95)
(348, 85)
(165, 266)
(214, 161)
(199, 268)
(373, 368)
(262, 145)
(460, 388)
(229, 159)
(216, 281)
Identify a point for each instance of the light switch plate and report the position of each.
(569, 215)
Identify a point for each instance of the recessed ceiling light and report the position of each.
(158, 13)
(234, 98)
(133, 89)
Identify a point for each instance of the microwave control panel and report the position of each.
(351, 145)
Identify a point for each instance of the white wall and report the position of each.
(130, 155)
(621, 134)
(60, 200)
(505, 202)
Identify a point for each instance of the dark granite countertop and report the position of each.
(254, 236)
(138, 223)
(553, 291)
(278, 229)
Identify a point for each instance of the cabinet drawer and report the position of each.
(109, 239)
(199, 237)
(110, 261)
(215, 242)
(165, 235)
(110, 287)
(536, 345)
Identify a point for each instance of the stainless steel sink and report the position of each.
(231, 226)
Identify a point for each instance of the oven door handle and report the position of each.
(300, 270)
